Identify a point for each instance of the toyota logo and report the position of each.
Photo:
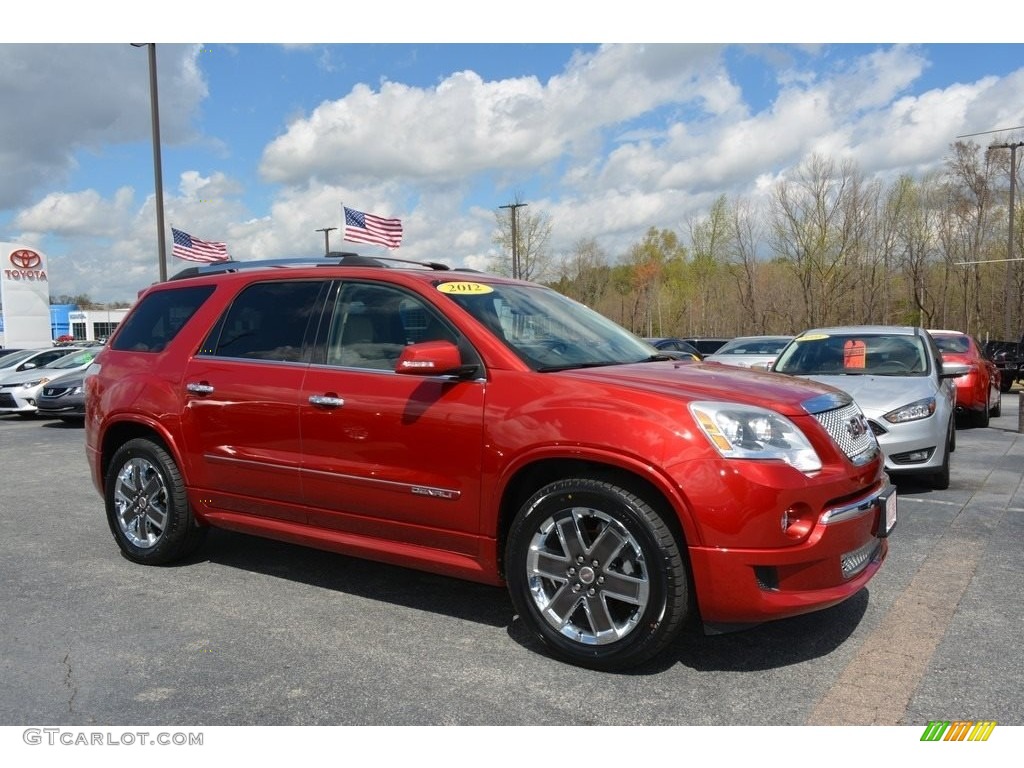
(25, 259)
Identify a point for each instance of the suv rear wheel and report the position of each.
(147, 508)
(596, 574)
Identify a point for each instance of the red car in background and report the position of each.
(978, 394)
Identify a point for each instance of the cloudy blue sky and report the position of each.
(263, 141)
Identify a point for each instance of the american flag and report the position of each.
(193, 249)
(366, 228)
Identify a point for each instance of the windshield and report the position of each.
(752, 346)
(16, 358)
(75, 359)
(854, 354)
(955, 344)
(549, 331)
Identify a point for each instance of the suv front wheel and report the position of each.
(594, 571)
(147, 508)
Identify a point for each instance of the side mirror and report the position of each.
(952, 370)
(429, 358)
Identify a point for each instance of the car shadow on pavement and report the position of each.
(410, 588)
(767, 646)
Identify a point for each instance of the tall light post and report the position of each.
(514, 208)
(327, 244)
(1011, 269)
(154, 109)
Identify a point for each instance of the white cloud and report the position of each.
(57, 99)
(466, 125)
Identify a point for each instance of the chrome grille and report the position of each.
(854, 562)
(847, 426)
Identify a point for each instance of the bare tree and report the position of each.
(810, 232)
(709, 248)
(584, 273)
(533, 232)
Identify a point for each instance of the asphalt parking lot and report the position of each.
(253, 632)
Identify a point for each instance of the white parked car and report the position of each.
(26, 359)
(898, 379)
(19, 389)
(750, 351)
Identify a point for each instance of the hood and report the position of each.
(877, 395)
(709, 381)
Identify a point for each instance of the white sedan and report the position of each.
(18, 390)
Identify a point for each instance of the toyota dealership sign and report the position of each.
(24, 296)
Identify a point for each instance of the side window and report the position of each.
(371, 324)
(266, 321)
(156, 320)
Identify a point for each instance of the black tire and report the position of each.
(940, 480)
(147, 508)
(981, 418)
(1006, 384)
(596, 573)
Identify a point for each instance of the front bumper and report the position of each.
(901, 440)
(838, 558)
(16, 399)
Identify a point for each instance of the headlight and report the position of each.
(33, 383)
(921, 409)
(749, 432)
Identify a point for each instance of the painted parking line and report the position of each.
(877, 684)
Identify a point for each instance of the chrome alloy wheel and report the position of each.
(140, 502)
(587, 576)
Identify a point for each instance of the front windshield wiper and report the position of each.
(575, 366)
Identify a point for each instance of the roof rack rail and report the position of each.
(332, 259)
(435, 265)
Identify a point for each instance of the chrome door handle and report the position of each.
(326, 401)
(199, 389)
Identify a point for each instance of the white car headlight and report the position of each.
(750, 432)
(915, 411)
(33, 383)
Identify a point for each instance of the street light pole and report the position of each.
(516, 267)
(327, 245)
(1011, 269)
(154, 108)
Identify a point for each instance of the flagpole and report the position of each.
(343, 225)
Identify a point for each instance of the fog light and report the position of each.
(796, 521)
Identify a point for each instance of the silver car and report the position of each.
(897, 377)
(750, 351)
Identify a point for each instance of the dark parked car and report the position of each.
(706, 346)
(676, 348)
(63, 397)
(1007, 358)
(488, 429)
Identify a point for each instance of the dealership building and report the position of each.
(27, 319)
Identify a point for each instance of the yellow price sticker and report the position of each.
(465, 288)
(813, 337)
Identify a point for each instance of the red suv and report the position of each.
(486, 429)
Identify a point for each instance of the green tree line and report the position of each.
(827, 246)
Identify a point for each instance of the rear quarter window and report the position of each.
(158, 317)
